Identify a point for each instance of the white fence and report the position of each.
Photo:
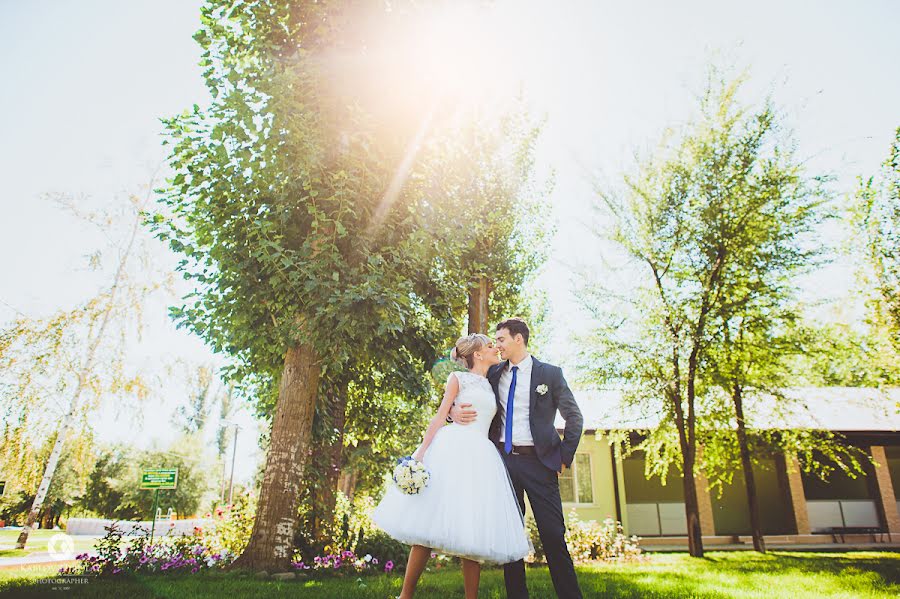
(95, 526)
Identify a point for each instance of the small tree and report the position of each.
(877, 220)
(64, 365)
(701, 220)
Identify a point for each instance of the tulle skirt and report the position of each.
(468, 508)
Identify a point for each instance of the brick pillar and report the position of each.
(704, 503)
(789, 476)
(885, 498)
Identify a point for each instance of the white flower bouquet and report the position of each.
(410, 476)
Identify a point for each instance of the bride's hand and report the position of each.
(417, 456)
(463, 413)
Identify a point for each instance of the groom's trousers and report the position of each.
(530, 476)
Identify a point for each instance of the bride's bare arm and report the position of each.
(450, 392)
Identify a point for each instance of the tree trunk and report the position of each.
(347, 482)
(479, 293)
(326, 496)
(685, 424)
(692, 507)
(272, 540)
(759, 543)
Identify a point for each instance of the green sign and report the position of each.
(159, 478)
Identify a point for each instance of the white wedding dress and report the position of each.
(468, 508)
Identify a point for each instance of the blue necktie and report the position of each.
(507, 445)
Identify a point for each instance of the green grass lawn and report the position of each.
(719, 574)
(37, 541)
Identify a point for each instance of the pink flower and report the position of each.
(389, 566)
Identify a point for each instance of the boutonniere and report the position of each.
(541, 389)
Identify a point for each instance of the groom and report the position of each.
(529, 393)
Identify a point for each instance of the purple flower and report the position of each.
(389, 566)
(337, 563)
(374, 561)
(195, 569)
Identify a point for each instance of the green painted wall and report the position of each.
(640, 489)
(731, 512)
(838, 486)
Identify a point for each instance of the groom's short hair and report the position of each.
(515, 326)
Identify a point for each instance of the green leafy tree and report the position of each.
(751, 359)
(193, 415)
(711, 223)
(186, 454)
(103, 495)
(493, 226)
(113, 487)
(878, 219)
(309, 261)
(483, 209)
(841, 354)
(58, 370)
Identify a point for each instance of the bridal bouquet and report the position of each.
(410, 476)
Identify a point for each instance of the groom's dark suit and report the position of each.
(536, 473)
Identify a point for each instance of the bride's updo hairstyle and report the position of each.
(464, 352)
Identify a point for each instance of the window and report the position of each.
(575, 484)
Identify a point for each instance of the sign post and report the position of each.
(158, 478)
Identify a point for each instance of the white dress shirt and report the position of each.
(521, 426)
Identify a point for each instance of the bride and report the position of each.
(468, 508)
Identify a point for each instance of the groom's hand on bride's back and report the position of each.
(463, 413)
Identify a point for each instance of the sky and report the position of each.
(85, 83)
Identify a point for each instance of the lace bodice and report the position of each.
(476, 390)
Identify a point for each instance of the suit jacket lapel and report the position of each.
(536, 370)
(494, 379)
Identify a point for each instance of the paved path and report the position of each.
(40, 558)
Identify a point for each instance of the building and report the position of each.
(795, 508)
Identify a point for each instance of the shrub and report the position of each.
(588, 540)
(604, 541)
(378, 542)
(231, 524)
(532, 531)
